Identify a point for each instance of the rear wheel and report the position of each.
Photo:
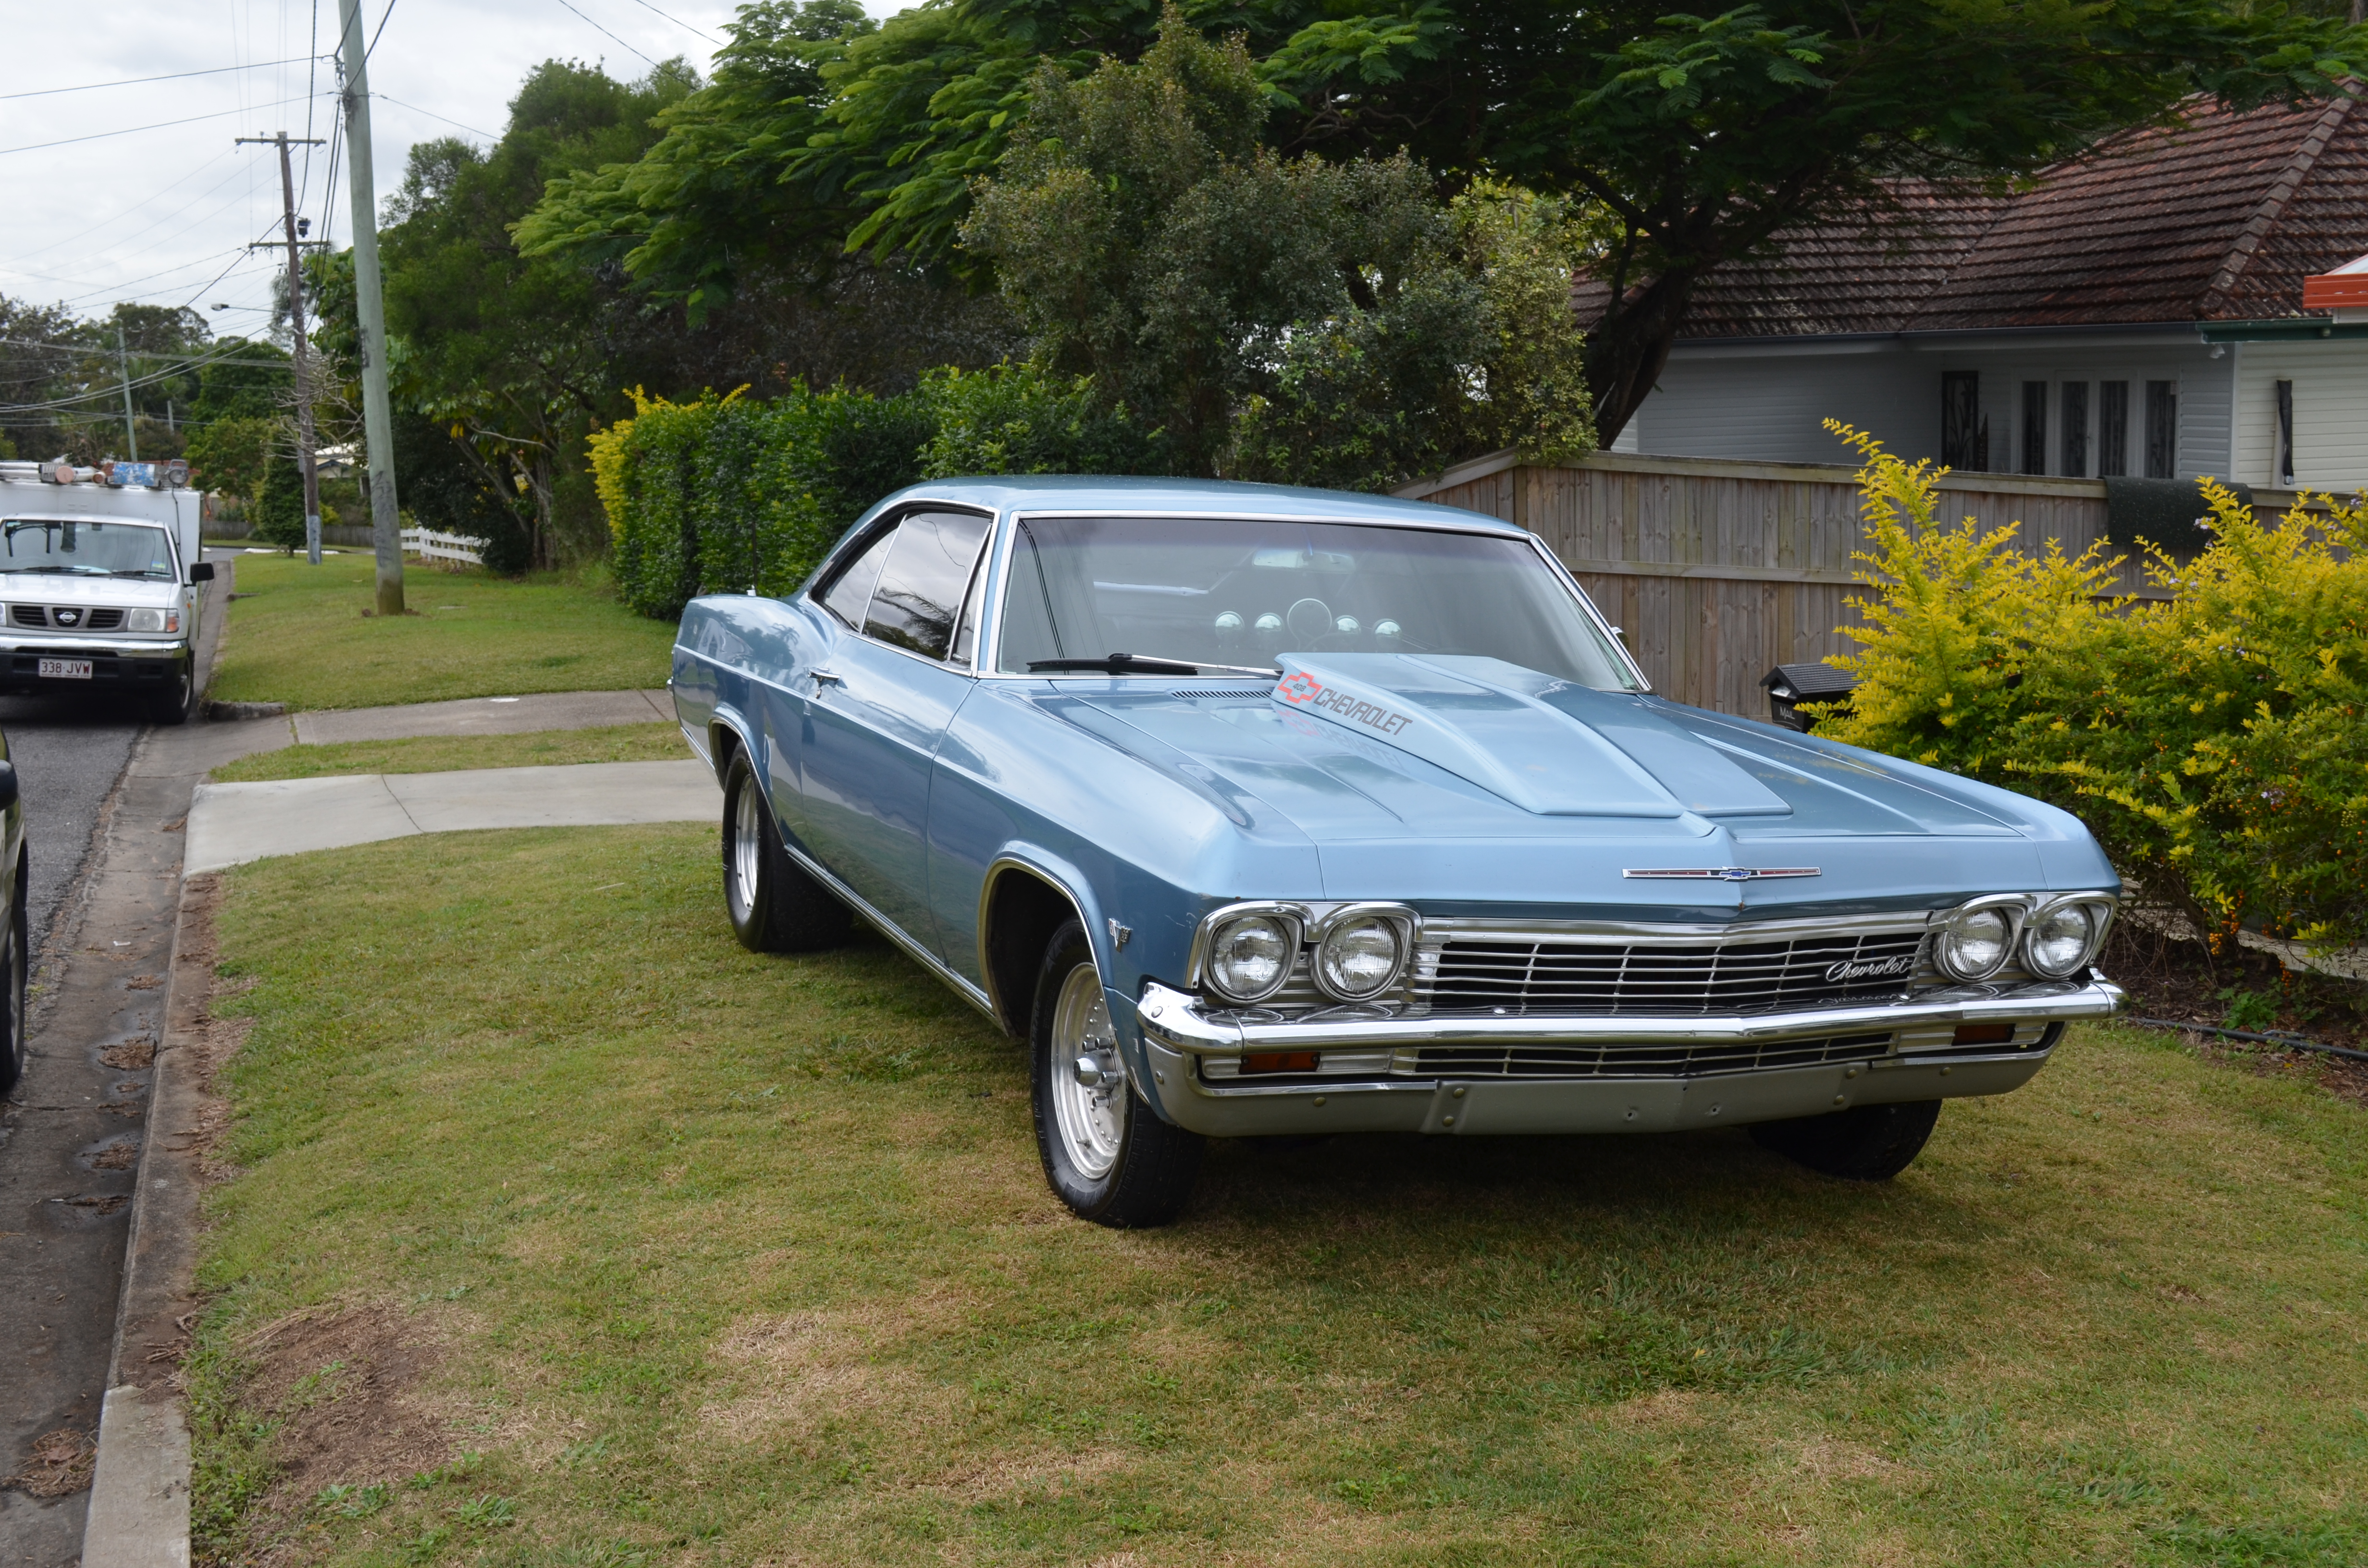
(1105, 1152)
(1867, 1142)
(776, 906)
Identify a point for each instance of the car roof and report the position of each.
(1188, 497)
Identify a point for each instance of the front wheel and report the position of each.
(774, 904)
(1867, 1142)
(1105, 1152)
(172, 705)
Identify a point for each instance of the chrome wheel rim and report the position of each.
(746, 848)
(1092, 1116)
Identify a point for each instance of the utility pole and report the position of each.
(378, 414)
(305, 462)
(123, 367)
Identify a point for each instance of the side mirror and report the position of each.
(8, 792)
(203, 571)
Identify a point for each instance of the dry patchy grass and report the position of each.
(736, 1259)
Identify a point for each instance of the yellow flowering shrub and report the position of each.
(2215, 744)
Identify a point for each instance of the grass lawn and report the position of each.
(569, 1232)
(297, 634)
(437, 753)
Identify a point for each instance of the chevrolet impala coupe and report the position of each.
(1258, 812)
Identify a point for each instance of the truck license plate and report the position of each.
(64, 669)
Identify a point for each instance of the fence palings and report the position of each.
(1719, 571)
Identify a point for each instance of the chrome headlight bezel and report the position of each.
(2009, 907)
(1291, 918)
(2099, 908)
(1403, 923)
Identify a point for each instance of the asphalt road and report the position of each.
(69, 752)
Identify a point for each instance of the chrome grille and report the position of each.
(1645, 1059)
(1517, 975)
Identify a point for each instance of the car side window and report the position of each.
(922, 587)
(850, 593)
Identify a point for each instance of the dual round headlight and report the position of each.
(1251, 956)
(1976, 941)
(1359, 953)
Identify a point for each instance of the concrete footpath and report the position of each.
(233, 824)
(485, 716)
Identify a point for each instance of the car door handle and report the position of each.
(823, 678)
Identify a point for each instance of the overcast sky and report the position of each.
(127, 206)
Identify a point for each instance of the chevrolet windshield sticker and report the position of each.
(1305, 690)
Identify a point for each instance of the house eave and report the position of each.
(1933, 341)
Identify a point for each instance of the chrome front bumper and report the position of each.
(1374, 1076)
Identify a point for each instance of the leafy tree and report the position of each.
(242, 379)
(1150, 241)
(280, 503)
(1700, 136)
(230, 456)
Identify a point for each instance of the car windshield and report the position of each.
(1214, 593)
(84, 549)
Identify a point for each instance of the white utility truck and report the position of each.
(101, 583)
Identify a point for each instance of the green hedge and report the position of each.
(730, 494)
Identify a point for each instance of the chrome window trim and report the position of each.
(1008, 527)
(1205, 935)
(860, 537)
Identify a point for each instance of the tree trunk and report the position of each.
(1626, 350)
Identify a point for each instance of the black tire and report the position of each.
(1867, 1142)
(16, 967)
(1150, 1177)
(172, 707)
(774, 904)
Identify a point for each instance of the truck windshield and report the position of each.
(84, 549)
(1215, 593)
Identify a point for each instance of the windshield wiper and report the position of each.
(1137, 663)
(99, 571)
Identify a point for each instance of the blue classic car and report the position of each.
(1265, 811)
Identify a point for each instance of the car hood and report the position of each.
(1456, 776)
(56, 588)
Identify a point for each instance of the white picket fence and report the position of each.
(436, 546)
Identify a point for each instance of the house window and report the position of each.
(2076, 428)
(2112, 429)
(2285, 434)
(2034, 426)
(2162, 430)
(1965, 434)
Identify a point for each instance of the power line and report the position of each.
(677, 21)
(447, 118)
(605, 33)
(137, 81)
(135, 129)
(383, 18)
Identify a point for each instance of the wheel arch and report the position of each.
(1021, 905)
(727, 733)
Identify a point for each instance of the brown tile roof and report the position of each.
(2220, 218)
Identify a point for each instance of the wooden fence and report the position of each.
(1718, 571)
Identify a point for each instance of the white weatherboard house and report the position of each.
(2179, 301)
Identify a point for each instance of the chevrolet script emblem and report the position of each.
(1725, 874)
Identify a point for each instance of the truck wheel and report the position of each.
(172, 705)
(1867, 1142)
(1107, 1154)
(775, 906)
(13, 974)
